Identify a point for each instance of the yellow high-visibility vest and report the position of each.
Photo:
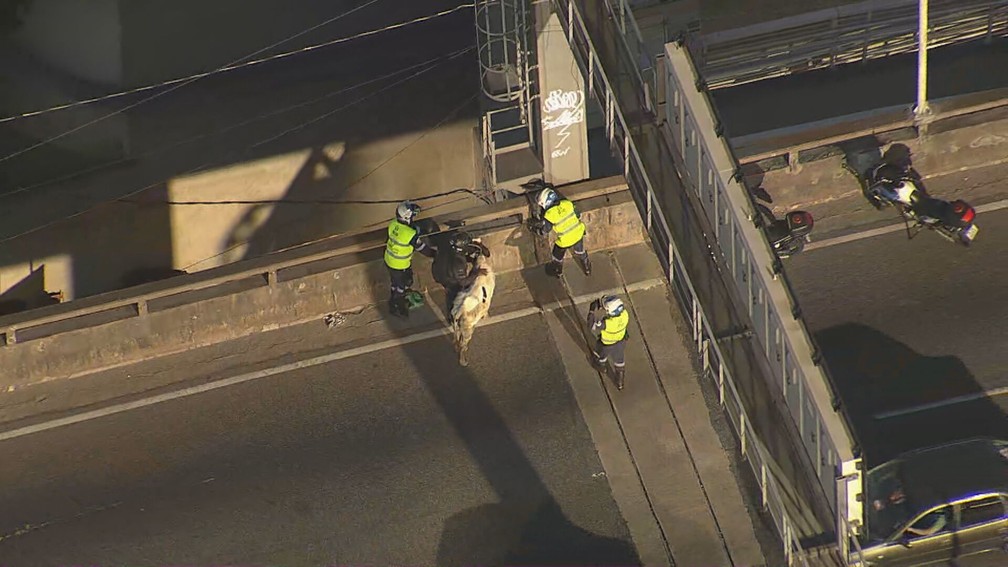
(398, 250)
(569, 228)
(614, 328)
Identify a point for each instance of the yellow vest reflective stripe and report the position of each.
(569, 228)
(398, 251)
(614, 328)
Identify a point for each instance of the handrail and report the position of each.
(267, 266)
(858, 32)
(789, 141)
(650, 200)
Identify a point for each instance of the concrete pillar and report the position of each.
(562, 100)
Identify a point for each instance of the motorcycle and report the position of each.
(789, 235)
(888, 184)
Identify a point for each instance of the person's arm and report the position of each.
(473, 274)
(539, 225)
(480, 248)
(421, 245)
(595, 323)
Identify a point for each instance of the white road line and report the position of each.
(894, 228)
(943, 403)
(306, 363)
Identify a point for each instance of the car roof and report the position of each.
(954, 471)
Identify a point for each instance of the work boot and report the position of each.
(620, 371)
(398, 306)
(585, 264)
(554, 269)
(596, 363)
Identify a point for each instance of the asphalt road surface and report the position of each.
(395, 457)
(906, 323)
(848, 89)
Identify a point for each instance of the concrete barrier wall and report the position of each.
(354, 276)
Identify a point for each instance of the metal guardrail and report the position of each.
(772, 305)
(791, 141)
(857, 32)
(268, 270)
(684, 248)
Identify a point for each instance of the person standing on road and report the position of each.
(403, 239)
(455, 265)
(608, 320)
(561, 216)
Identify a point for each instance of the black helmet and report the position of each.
(460, 241)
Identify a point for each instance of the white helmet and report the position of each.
(905, 190)
(547, 197)
(613, 305)
(406, 211)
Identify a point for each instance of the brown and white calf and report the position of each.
(470, 306)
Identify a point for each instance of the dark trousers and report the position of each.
(401, 281)
(614, 352)
(578, 249)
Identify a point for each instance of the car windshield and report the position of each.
(888, 506)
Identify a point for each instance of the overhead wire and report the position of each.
(367, 226)
(447, 117)
(183, 83)
(162, 149)
(443, 59)
(452, 113)
(233, 67)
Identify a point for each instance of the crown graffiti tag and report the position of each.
(563, 100)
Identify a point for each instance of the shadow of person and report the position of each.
(526, 525)
(753, 175)
(765, 213)
(861, 154)
(547, 289)
(898, 398)
(502, 534)
(302, 214)
(899, 155)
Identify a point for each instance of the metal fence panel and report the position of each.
(737, 247)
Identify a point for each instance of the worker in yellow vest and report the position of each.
(561, 216)
(608, 320)
(403, 239)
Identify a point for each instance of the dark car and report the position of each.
(944, 505)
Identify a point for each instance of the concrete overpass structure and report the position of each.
(507, 441)
(744, 319)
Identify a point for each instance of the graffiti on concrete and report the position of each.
(561, 110)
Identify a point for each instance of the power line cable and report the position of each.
(227, 68)
(444, 59)
(315, 201)
(367, 226)
(453, 112)
(272, 113)
(447, 117)
(182, 84)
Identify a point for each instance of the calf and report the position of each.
(471, 305)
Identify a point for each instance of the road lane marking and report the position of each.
(943, 403)
(997, 205)
(310, 362)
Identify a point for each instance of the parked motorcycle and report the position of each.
(789, 235)
(888, 184)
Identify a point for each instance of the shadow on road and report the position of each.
(526, 526)
(876, 374)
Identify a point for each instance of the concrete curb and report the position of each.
(341, 283)
(310, 362)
